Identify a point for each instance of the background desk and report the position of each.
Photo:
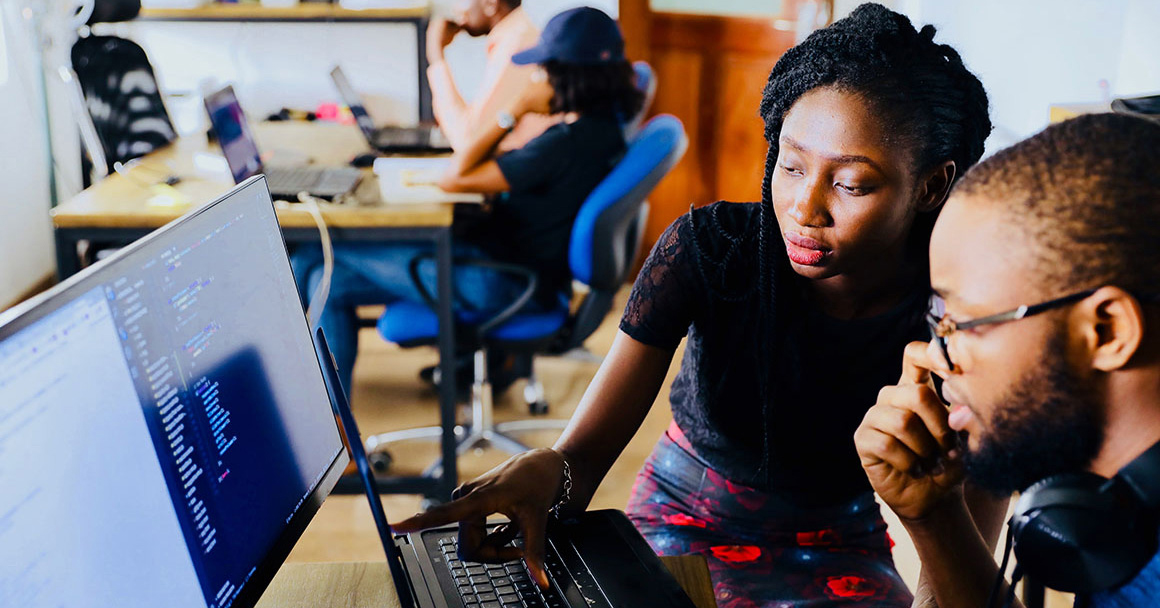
(126, 207)
(368, 585)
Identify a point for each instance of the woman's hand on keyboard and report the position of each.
(523, 489)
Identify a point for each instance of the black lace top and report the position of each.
(701, 282)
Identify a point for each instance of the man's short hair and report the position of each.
(1086, 193)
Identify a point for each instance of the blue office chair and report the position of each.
(606, 238)
(646, 81)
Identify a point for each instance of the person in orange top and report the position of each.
(508, 30)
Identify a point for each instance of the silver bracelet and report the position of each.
(560, 504)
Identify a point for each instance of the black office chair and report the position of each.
(606, 237)
(120, 89)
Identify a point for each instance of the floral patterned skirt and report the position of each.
(761, 550)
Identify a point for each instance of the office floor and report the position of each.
(388, 396)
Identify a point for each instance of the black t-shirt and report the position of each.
(701, 281)
(550, 178)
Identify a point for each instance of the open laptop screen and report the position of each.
(165, 430)
(233, 132)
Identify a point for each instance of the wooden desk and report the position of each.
(127, 207)
(368, 584)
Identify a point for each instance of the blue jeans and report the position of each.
(379, 273)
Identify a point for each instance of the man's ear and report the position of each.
(1112, 327)
(935, 186)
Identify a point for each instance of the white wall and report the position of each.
(26, 250)
(1032, 54)
(276, 65)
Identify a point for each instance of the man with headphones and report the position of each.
(1045, 344)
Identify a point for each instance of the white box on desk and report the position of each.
(413, 180)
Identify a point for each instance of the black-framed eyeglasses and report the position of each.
(942, 326)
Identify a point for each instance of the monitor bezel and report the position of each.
(22, 315)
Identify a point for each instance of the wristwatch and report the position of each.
(505, 120)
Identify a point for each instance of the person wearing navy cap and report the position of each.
(536, 190)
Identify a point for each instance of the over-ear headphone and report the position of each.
(1080, 532)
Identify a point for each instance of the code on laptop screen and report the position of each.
(161, 420)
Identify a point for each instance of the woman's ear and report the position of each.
(935, 186)
(490, 7)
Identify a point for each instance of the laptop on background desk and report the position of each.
(390, 139)
(245, 161)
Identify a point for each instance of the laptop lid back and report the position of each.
(341, 407)
(354, 101)
(233, 133)
(165, 435)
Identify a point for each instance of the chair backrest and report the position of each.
(122, 97)
(646, 81)
(607, 232)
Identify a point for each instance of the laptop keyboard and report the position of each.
(312, 179)
(296, 178)
(506, 585)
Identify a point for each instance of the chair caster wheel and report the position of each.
(538, 408)
(380, 460)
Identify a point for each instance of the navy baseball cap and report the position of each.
(583, 36)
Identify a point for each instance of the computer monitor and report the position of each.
(165, 428)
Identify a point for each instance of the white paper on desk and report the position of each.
(409, 179)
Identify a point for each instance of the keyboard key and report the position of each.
(504, 589)
(490, 605)
(508, 600)
(488, 597)
(457, 572)
(475, 569)
(479, 580)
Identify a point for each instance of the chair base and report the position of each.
(482, 432)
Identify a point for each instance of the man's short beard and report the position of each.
(1048, 423)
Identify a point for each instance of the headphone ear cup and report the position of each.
(1074, 534)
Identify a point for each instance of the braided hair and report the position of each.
(934, 106)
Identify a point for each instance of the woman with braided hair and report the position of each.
(796, 312)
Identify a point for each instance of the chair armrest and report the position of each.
(502, 316)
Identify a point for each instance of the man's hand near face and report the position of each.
(906, 447)
(913, 460)
(440, 33)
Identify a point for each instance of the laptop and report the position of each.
(597, 560)
(241, 152)
(165, 432)
(392, 139)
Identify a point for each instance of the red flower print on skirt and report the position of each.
(819, 538)
(735, 554)
(680, 519)
(851, 587)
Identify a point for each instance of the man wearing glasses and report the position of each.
(1045, 264)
